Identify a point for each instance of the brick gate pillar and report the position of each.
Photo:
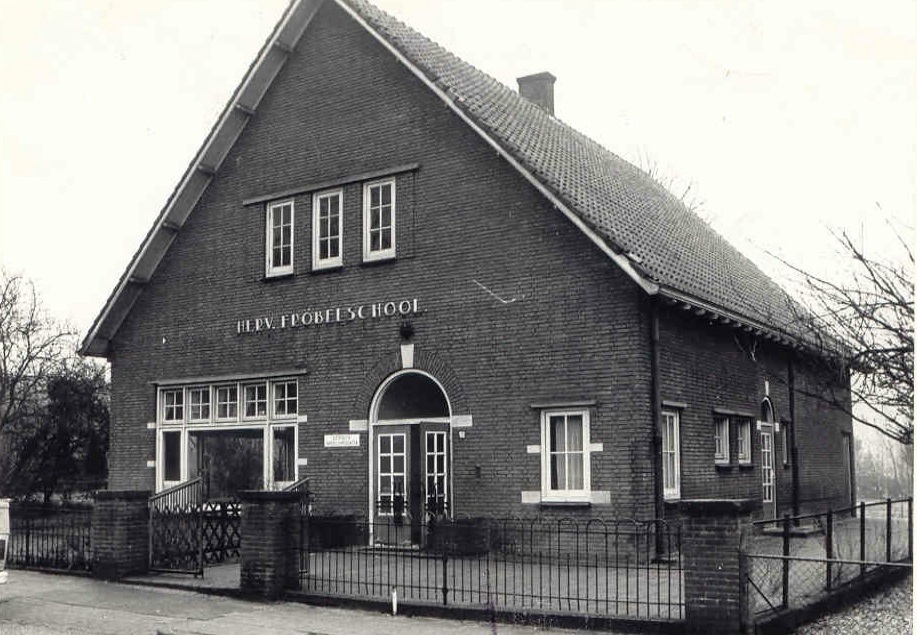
(120, 534)
(715, 586)
(270, 542)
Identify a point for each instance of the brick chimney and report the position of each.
(539, 89)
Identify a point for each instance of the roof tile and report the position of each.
(630, 210)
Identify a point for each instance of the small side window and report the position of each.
(721, 440)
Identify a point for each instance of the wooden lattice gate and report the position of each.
(177, 528)
(189, 532)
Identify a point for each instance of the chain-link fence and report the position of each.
(794, 561)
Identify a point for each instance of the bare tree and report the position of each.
(866, 314)
(32, 348)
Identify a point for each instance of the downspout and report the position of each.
(658, 502)
(794, 452)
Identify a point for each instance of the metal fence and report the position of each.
(599, 567)
(50, 537)
(795, 561)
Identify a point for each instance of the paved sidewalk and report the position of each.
(47, 604)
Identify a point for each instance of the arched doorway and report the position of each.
(410, 456)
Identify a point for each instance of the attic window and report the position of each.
(279, 244)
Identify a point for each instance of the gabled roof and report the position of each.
(664, 247)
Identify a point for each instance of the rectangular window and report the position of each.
(671, 455)
(171, 456)
(285, 404)
(392, 459)
(284, 454)
(227, 403)
(199, 404)
(255, 406)
(721, 439)
(379, 220)
(564, 448)
(173, 405)
(743, 440)
(327, 230)
(279, 239)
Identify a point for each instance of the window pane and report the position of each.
(558, 472)
(574, 433)
(574, 471)
(399, 443)
(284, 454)
(171, 442)
(558, 438)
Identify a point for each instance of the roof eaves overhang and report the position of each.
(199, 173)
(618, 258)
(714, 312)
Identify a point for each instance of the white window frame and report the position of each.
(564, 495)
(161, 457)
(721, 439)
(392, 473)
(271, 270)
(165, 406)
(671, 445)
(208, 404)
(743, 440)
(216, 402)
(244, 401)
(332, 261)
(286, 399)
(378, 254)
(440, 443)
(270, 453)
(268, 424)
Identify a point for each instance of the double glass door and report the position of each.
(412, 479)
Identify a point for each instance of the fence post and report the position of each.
(785, 601)
(910, 528)
(715, 583)
(270, 542)
(862, 538)
(829, 547)
(120, 534)
(888, 530)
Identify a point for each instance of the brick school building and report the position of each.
(389, 273)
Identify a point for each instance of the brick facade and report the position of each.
(517, 307)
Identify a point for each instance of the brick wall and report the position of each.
(708, 367)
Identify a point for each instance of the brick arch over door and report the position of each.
(426, 361)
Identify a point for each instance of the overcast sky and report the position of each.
(786, 118)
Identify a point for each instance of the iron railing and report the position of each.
(795, 561)
(50, 537)
(599, 567)
(306, 497)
